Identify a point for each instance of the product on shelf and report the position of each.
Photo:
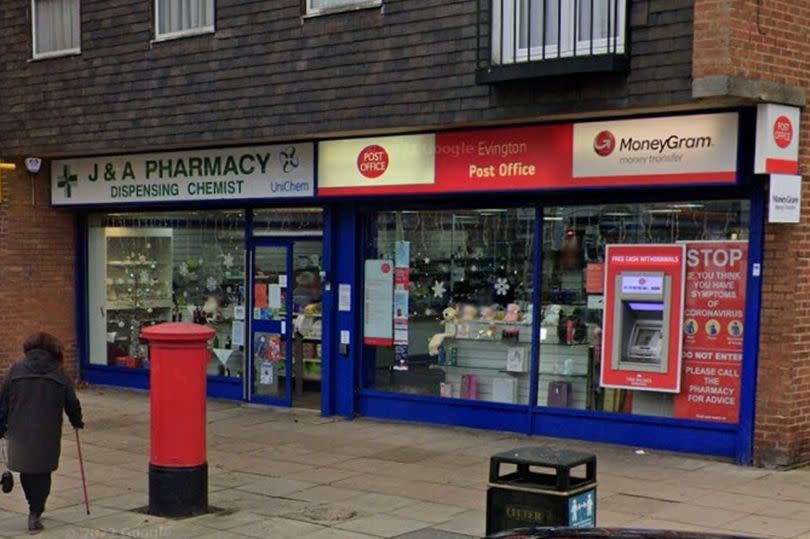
(469, 387)
(446, 389)
(449, 318)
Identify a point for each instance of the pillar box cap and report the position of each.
(178, 332)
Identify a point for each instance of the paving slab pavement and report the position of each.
(291, 473)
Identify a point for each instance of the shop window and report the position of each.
(318, 7)
(177, 18)
(573, 263)
(145, 269)
(447, 303)
(56, 27)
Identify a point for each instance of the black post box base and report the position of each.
(178, 492)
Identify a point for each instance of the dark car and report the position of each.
(606, 533)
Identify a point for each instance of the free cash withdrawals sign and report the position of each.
(256, 172)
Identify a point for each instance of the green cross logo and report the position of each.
(67, 181)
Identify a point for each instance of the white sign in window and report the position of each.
(378, 303)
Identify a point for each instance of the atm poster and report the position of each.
(713, 330)
(641, 260)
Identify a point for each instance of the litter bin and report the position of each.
(534, 486)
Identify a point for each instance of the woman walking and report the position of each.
(33, 397)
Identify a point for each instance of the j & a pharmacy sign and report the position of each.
(257, 172)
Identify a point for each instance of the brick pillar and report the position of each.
(36, 257)
(761, 51)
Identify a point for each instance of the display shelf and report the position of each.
(486, 359)
(115, 296)
(468, 367)
(148, 304)
(133, 263)
(553, 370)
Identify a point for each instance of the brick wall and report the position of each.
(767, 41)
(268, 74)
(36, 257)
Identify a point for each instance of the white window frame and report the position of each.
(506, 49)
(354, 6)
(52, 54)
(602, 45)
(200, 30)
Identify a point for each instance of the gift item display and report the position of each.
(573, 290)
(145, 269)
(307, 315)
(461, 283)
(132, 288)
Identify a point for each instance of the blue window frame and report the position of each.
(731, 441)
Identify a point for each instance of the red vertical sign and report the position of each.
(713, 326)
(595, 278)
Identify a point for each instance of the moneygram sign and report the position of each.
(673, 143)
(685, 146)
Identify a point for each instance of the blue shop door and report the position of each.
(270, 343)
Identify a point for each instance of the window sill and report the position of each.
(359, 6)
(55, 54)
(601, 63)
(184, 34)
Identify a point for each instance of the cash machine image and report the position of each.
(641, 313)
(643, 317)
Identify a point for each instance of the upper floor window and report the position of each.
(177, 18)
(315, 7)
(537, 30)
(56, 29)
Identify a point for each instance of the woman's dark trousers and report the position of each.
(37, 486)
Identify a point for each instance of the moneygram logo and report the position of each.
(783, 132)
(604, 143)
(661, 145)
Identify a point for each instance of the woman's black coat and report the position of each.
(33, 397)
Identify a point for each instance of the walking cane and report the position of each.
(81, 467)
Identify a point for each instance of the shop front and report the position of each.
(229, 238)
(597, 280)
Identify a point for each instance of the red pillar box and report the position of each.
(178, 468)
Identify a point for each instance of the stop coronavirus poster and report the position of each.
(713, 326)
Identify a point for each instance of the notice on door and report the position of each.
(713, 326)
(378, 303)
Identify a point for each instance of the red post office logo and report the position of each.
(372, 161)
(783, 131)
(604, 143)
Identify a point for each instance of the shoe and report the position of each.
(35, 523)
